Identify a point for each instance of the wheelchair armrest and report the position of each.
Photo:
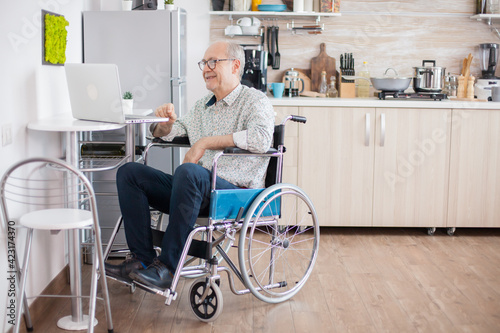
(236, 150)
(178, 140)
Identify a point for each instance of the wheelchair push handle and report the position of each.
(299, 119)
(295, 118)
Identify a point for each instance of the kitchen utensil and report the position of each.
(292, 80)
(305, 84)
(217, 5)
(289, 4)
(386, 83)
(251, 30)
(322, 62)
(272, 8)
(428, 78)
(241, 5)
(248, 22)
(278, 88)
(277, 56)
(232, 30)
(270, 51)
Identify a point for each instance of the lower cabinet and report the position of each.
(397, 167)
(335, 163)
(474, 199)
(412, 149)
(375, 167)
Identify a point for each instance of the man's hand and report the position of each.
(195, 152)
(210, 142)
(165, 111)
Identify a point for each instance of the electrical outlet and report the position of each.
(6, 134)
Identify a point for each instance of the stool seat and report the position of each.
(57, 219)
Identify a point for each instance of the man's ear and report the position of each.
(236, 66)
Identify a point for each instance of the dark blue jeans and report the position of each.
(183, 196)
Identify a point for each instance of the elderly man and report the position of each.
(232, 115)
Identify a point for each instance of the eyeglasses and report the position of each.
(210, 63)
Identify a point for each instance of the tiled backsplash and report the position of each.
(398, 34)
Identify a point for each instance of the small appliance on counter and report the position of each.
(488, 54)
(292, 85)
(255, 71)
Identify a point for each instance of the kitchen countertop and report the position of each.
(377, 103)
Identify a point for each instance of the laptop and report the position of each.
(95, 94)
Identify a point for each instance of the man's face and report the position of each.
(222, 77)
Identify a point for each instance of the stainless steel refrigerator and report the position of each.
(149, 48)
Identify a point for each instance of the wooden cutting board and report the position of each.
(303, 76)
(322, 62)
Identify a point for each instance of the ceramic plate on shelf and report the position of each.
(271, 8)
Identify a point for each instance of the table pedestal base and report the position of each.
(67, 323)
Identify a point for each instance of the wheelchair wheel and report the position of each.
(278, 243)
(211, 307)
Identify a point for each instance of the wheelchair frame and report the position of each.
(256, 216)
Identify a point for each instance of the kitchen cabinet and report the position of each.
(412, 148)
(375, 166)
(474, 199)
(335, 166)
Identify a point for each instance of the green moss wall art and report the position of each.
(54, 38)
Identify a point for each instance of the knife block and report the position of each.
(347, 89)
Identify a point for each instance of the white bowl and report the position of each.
(233, 30)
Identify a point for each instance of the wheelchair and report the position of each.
(277, 244)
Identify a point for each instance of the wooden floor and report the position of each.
(365, 280)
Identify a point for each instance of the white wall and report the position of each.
(30, 91)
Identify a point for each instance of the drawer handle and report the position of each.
(382, 129)
(367, 130)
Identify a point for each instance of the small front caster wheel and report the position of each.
(450, 231)
(431, 231)
(211, 307)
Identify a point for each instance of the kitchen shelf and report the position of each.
(274, 14)
(488, 19)
(265, 13)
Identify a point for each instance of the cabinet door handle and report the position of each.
(367, 130)
(382, 129)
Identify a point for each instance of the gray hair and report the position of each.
(235, 51)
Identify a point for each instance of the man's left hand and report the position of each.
(195, 152)
(209, 142)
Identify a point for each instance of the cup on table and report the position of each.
(277, 88)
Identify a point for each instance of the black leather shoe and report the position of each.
(123, 270)
(156, 275)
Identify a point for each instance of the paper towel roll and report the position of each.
(298, 5)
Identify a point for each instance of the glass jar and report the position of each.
(331, 90)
